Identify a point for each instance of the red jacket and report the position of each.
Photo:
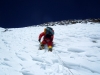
(46, 38)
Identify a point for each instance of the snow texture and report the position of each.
(76, 51)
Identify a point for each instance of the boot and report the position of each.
(50, 49)
(41, 47)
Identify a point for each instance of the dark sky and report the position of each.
(21, 13)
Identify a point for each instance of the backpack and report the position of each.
(49, 32)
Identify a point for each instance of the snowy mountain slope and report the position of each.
(76, 51)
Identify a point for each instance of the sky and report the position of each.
(76, 51)
(21, 13)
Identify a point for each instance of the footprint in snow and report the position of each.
(23, 59)
(6, 59)
(6, 64)
(75, 50)
(26, 73)
(89, 55)
(20, 57)
(37, 59)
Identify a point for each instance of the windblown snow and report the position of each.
(76, 51)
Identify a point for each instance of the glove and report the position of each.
(39, 40)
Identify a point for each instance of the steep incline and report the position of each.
(76, 51)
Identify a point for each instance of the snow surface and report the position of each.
(76, 51)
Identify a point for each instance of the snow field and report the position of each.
(76, 51)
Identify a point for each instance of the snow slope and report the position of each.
(76, 51)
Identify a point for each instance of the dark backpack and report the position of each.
(49, 32)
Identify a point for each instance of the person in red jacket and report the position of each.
(47, 39)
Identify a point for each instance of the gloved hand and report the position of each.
(39, 40)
